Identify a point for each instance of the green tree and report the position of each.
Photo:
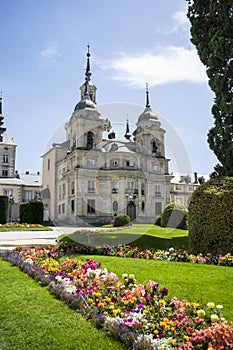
(212, 34)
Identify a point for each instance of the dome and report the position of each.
(86, 102)
(147, 115)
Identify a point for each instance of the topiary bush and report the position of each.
(121, 220)
(158, 221)
(174, 215)
(4, 205)
(31, 212)
(210, 217)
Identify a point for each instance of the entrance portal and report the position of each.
(131, 210)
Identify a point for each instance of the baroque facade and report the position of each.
(93, 175)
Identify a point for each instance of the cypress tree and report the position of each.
(212, 34)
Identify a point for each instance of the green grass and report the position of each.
(141, 235)
(16, 228)
(195, 282)
(32, 319)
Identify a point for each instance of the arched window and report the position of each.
(154, 147)
(90, 140)
(143, 206)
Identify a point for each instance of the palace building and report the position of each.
(94, 176)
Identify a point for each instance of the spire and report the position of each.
(127, 133)
(88, 69)
(1, 103)
(2, 129)
(147, 97)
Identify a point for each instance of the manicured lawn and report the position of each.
(141, 235)
(4, 228)
(195, 282)
(32, 319)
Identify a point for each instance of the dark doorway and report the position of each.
(131, 210)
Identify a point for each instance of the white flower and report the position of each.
(29, 261)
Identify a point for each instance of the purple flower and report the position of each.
(155, 286)
(141, 306)
(163, 291)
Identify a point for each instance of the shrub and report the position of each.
(211, 217)
(174, 215)
(31, 212)
(158, 221)
(121, 220)
(4, 205)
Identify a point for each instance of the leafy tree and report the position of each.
(212, 34)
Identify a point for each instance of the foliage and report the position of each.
(121, 220)
(211, 31)
(16, 226)
(174, 215)
(31, 212)
(4, 204)
(140, 315)
(158, 221)
(210, 217)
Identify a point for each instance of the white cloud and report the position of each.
(50, 52)
(167, 65)
(180, 20)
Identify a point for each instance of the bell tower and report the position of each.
(149, 135)
(86, 125)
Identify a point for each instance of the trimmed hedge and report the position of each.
(31, 212)
(4, 206)
(211, 217)
(121, 220)
(174, 215)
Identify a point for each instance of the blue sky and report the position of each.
(132, 42)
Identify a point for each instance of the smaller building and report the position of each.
(183, 185)
(18, 187)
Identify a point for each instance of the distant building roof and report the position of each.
(187, 178)
(23, 180)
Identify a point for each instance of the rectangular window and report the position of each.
(130, 185)
(48, 165)
(90, 186)
(157, 168)
(114, 187)
(90, 161)
(27, 196)
(158, 208)
(72, 205)
(63, 191)
(179, 200)
(191, 188)
(63, 208)
(72, 187)
(4, 173)
(178, 187)
(91, 206)
(157, 190)
(130, 163)
(59, 209)
(142, 189)
(8, 192)
(5, 159)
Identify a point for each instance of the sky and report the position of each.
(132, 42)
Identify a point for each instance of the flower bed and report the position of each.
(140, 315)
(126, 251)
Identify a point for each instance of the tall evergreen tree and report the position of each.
(212, 34)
